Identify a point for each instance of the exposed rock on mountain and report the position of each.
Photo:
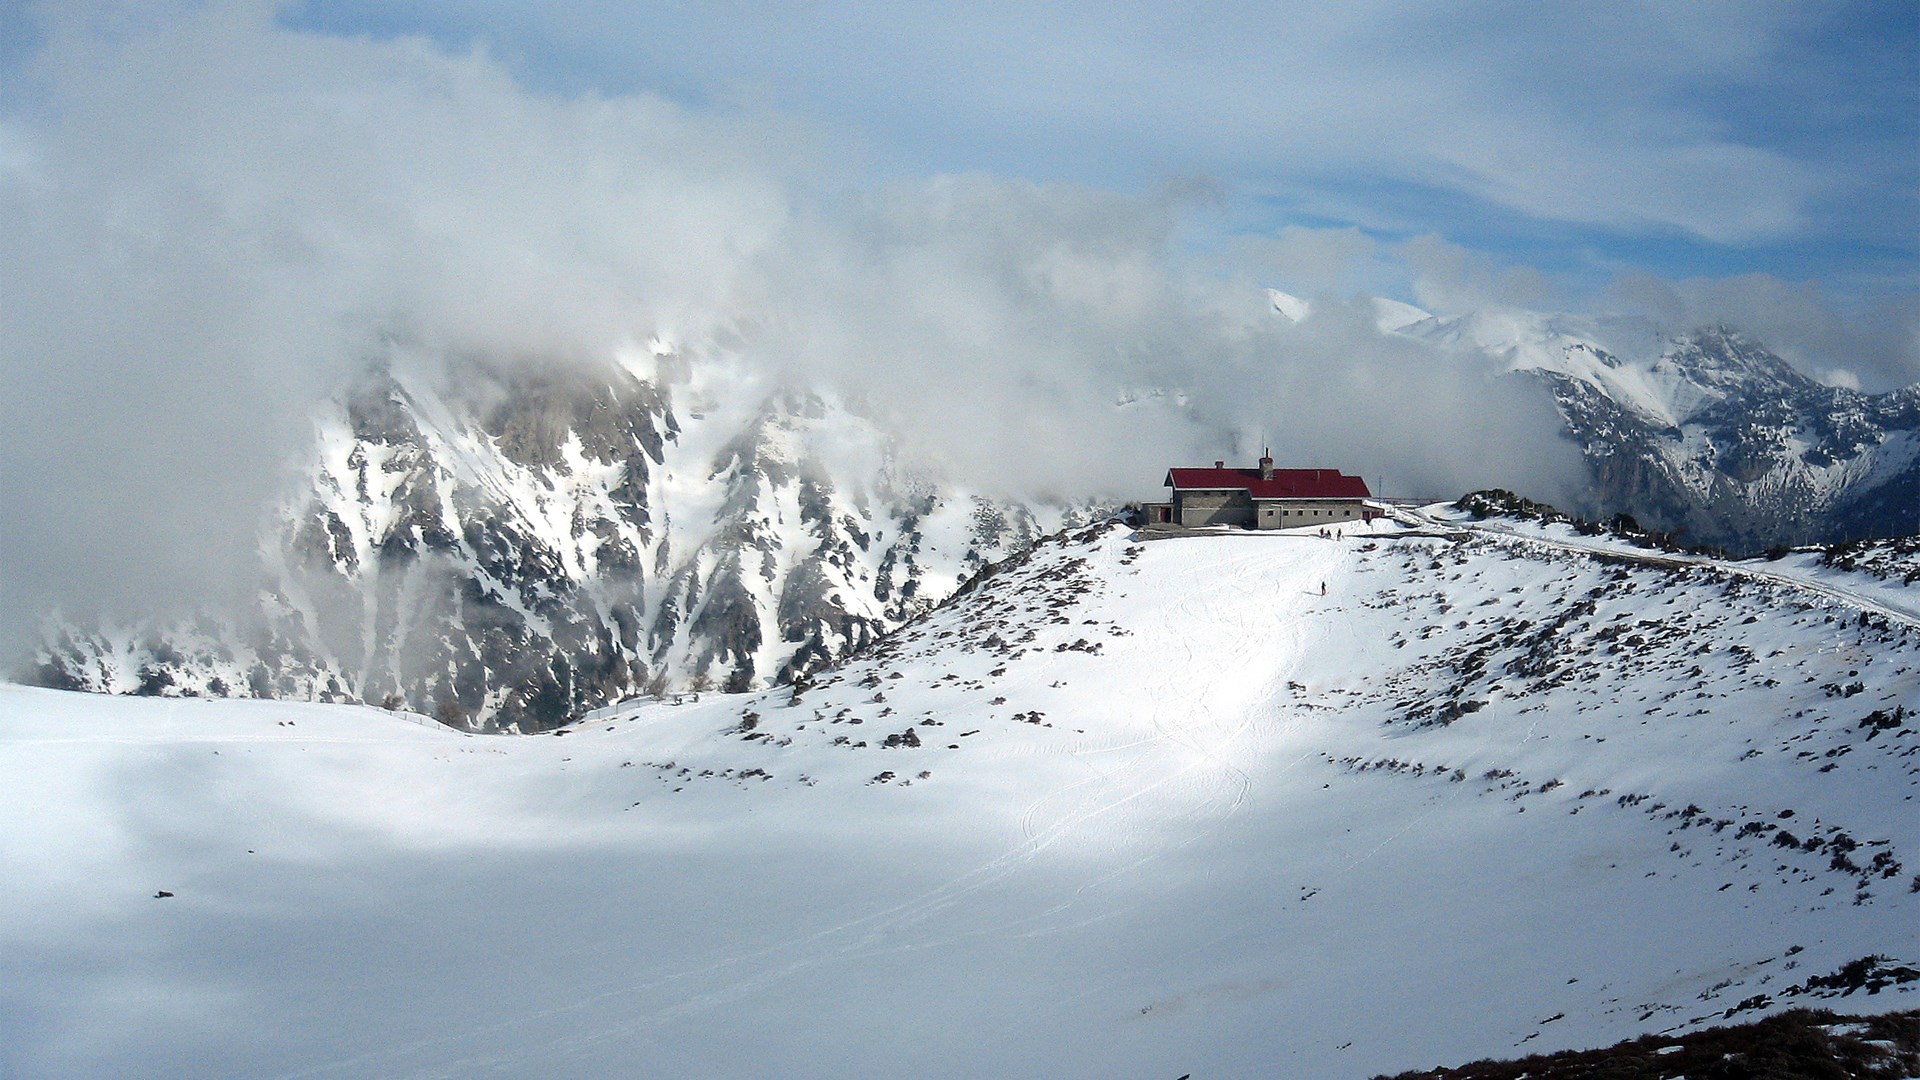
(1712, 436)
(520, 548)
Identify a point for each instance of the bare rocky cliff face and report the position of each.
(508, 550)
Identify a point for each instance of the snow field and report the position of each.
(1170, 810)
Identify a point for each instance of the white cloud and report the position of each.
(214, 220)
(1584, 113)
(1452, 280)
(1874, 350)
(1315, 262)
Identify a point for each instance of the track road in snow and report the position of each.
(1896, 604)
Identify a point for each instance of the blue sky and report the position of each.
(1683, 140)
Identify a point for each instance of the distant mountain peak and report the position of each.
(1708, 432)
(511, 546)
(1290, 307)
(1722, 357)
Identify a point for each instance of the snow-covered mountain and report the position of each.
(1231, 804)
(514, 548)
(511, 547)
(1710, 434)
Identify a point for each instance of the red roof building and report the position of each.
(1262, 498)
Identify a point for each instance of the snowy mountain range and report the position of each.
(1708, 435)
(508, 548)
(1271, 804)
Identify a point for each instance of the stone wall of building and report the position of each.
(1196, 508)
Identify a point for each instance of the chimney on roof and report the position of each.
(1219, 464)
(1266, 464)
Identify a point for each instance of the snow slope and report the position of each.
(1123, 808)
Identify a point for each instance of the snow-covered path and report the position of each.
(1888, 599)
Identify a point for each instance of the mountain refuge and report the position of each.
(1261, 498)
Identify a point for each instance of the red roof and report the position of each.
(1286, 483)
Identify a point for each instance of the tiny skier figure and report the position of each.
(1323, 588)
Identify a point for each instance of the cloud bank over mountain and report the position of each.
(217, 219)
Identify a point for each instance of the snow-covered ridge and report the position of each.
(1873, 576)
(1220, 804)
